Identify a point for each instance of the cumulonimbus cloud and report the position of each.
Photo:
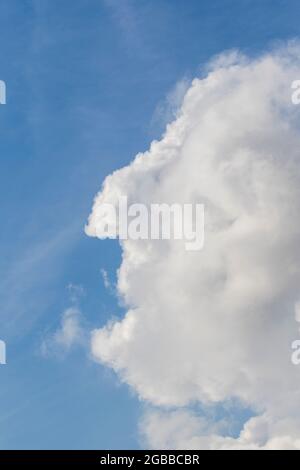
(216, 325)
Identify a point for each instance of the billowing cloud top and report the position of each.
(216, 325)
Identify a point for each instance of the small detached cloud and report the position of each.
(69, 334)
(76, 292)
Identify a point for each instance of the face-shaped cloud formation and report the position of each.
(217, 324)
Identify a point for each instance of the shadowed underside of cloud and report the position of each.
(214, 325)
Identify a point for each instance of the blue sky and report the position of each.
(84, 80)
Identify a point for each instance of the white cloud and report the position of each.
(69, 334)
(106, 281)
(168, 108)
(184, 430)
(76, 292)
(217, 324)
